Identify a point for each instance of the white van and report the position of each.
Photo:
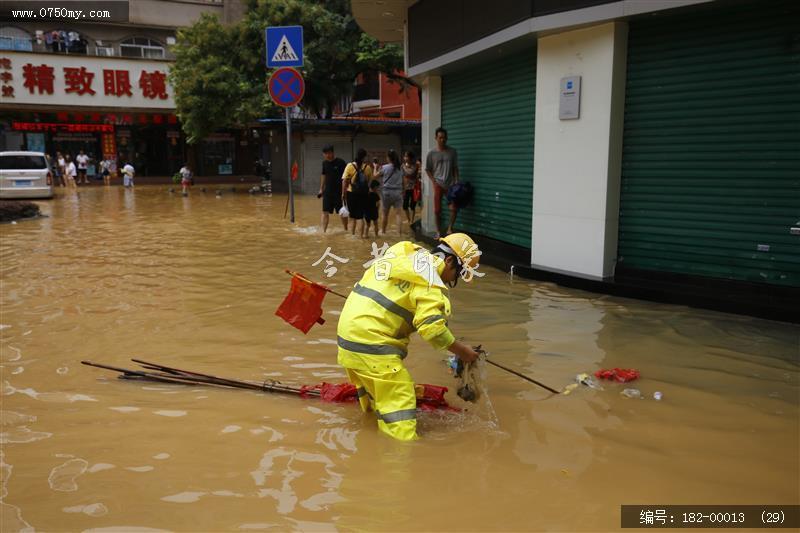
(25, 175)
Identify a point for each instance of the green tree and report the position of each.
(220, 76)
(214, 81)
(385, 58)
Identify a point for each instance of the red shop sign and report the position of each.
(51, 126)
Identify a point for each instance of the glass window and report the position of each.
(218, 155)
(22, 162)
(141, 47)
(104, 50)
(15, 39)
(153, 53)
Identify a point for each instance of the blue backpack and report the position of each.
(460, 194)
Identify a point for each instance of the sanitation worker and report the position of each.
(404, 291)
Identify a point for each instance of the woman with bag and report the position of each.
(355, 189)
(391, 189)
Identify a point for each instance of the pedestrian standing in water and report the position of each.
(50, 161)
(355, 189)
(441, 166)
(372, 209)
(186, 178)
(391, 190)
(105, 170)
(407, 291)
(71, 172)
(61, 165)
(83, 164)
(410, 180)
(330, 186)
(128, 172)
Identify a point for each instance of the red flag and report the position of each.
(302, 307)
(295, 171)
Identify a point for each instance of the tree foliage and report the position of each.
(220, 77)
(214, 84)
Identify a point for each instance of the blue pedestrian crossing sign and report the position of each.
(284, 46)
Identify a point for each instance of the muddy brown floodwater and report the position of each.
(194, 283)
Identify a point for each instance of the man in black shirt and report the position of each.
(330, 186)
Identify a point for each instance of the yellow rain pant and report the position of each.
(391, 396)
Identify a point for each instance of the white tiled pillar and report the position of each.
(577, 163)
(431, 119)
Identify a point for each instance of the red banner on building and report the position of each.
(54, 127)
(109, 143)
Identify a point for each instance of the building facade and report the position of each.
(102, 87)
(377, 95)
(608, 140)
(376, 135)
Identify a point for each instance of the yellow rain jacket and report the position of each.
(400, 293)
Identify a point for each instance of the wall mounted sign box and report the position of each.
(569, 103)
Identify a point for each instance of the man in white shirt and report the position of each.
(83, 163)
(127, 175)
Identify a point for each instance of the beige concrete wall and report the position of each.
(171, 13)
(154, 19)
(108, 34)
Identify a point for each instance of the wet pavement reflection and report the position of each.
(194, 283)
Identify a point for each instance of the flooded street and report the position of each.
(194, 283)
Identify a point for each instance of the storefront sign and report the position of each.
(569, 104)
(28, 78)
(56, 127)
(74, 137)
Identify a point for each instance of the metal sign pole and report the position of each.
(289, 163)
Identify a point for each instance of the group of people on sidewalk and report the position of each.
(358, 190)
(71, 172)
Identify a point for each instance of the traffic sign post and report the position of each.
(286, 87)
(284, 46)
(289, 164)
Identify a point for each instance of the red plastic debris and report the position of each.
(620, 375)
(333, 392)
(432, 398)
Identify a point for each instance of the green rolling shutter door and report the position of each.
(489, 116)
(711, 157)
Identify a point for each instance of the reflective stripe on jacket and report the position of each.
(399, 294)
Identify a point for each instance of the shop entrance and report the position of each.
(71, 144)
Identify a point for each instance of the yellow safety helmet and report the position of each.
(462, 247)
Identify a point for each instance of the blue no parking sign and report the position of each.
(286, 87)
(284, 46)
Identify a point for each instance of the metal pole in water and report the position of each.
(289, 163)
